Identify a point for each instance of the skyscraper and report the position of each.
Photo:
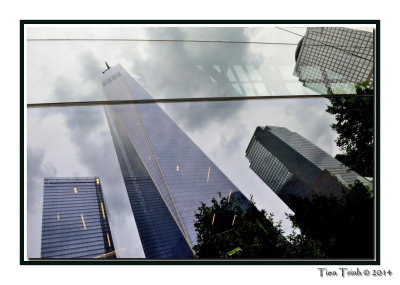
(291, 165)
(332, 59)
(166, 175)
(75, 222)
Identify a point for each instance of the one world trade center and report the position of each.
(165, 173)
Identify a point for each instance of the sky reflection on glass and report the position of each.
(165, 69)
(76, 141)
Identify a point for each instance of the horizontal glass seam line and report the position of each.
(177, 100)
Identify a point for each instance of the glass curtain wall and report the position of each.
(173, 135)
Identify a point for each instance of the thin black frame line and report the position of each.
(191, 262)
(22, 209)
(100, 260)
(377, 177)
(187, 100)
(201, 262)
(202, 21)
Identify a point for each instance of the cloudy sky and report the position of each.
(76, 141)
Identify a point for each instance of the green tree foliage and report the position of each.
(302, 247)
(355, 128)
(344, 227)
(252, 235)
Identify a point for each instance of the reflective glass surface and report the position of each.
(292, 165)
(180, 171)
(167, 69)
(158, 161)
(198, 63)
(221, 130)
(331, 60)
(74, 219)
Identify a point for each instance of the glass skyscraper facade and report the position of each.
(74, 221)
(291, 165)
(333, 59)
(166, 174)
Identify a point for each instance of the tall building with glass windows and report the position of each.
(333, 60)
(166, 174)
(291, 165)
(75, 222)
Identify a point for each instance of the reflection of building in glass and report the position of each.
(166, 175)
(237, 80)
(75, 222)
(332, 59)
(291, 165)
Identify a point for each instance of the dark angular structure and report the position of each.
(291, 165)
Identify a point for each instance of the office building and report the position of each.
(75, 222)
(332, 60)
(291, 165)
(166, 174)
